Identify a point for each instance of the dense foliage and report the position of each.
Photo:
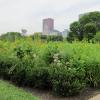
(86, 27)
(64, 68)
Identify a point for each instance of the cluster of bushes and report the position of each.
(65, 69)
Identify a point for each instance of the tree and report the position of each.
(90, 30)
(70, 37)
(87, 25)
(92, 17)
(77, 30)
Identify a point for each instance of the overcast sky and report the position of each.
(28, 14)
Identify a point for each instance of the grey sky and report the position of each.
(28, 14)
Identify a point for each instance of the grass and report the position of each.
(10, 92)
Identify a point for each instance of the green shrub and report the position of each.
(92, 73)
(67, 81)
(38, 73)
(5, 64)
(48, 52)
(17, 72)
(41, 77)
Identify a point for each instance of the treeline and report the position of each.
(86, 28)
(12, 36)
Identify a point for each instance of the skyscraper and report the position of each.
(48, 26)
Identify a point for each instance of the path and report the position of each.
(96, 97)
(46, 95)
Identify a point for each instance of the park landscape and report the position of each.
(65, 66)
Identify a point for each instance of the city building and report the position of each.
(48, 26)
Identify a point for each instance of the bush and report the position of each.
(40, 77)
(17, 72)
(38, 73)
(92, 73)
(5, 65)
(48, 52)
(67, 81)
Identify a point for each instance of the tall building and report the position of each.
(48, 26)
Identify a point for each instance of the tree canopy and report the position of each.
(87, 25)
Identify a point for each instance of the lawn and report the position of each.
(10, 92)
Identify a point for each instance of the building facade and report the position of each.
(48, 26)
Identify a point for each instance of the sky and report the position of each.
(28, 14)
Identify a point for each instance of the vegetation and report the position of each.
(86, 27)
(97, 37)
(47, 38)
(49, 62)
(9, 92)
(64, 68)
(10, 36)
